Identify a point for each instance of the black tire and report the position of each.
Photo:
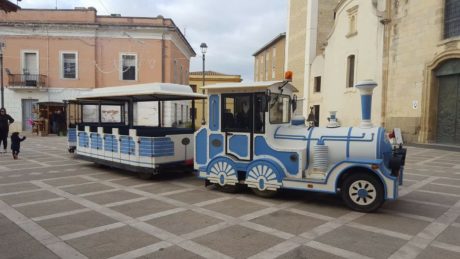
(362, 192)
(228, 188)
(264, 194)
(146, 175)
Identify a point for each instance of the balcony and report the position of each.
(26, 81)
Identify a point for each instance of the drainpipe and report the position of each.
(163, 74)
(386, 21)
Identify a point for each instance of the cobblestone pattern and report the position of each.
(53, 206)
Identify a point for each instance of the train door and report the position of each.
(238, 124)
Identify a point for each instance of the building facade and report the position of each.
(309, 24)
(423, 70)
(269, 60)
(410, 48)
(211, 78)
(54, 55)
(352, 52)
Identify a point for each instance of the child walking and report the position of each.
(16, 144)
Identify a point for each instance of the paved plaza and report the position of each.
(54, 206)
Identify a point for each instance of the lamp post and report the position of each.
(204, 48)
(1, 75)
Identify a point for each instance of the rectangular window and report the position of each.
(260, 107)
(350, 71)
(69, 65)
(129, 66)
(90, 113)
(111, 114)
(273, 63)
(256, 73)
(181, 114)
(236, 113)
(280, 109)
(352, 21)
(316, 112)
(175, 72)
(266, 65)
(175, 115)
(451, 18)
(186, 113)
(317, 86)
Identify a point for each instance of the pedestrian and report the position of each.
(54, 124)
(16, 144)
(5, 121)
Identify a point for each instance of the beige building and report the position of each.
(352, 52)
(308, 26)
(410, 48)
(269, 60)
(53, 55)
(422, 61)
(211, 77)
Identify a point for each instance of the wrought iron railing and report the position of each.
(26, 80)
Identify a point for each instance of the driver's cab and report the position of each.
(238, 114)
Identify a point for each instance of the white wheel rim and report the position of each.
(262, 175)
(222, 169)
(362, 192)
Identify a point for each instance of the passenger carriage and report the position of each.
(253, 139)
(141, 128)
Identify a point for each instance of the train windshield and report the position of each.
(280, 109)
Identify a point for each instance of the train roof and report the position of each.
(251, 85)
(143, 92)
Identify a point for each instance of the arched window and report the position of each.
(350, 71)
(451, 18)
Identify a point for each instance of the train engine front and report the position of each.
(271, 151)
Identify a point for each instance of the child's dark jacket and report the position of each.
(16, 141)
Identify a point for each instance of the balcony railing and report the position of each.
(26, 81)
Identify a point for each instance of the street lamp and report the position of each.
(1, 74)
(204, 48)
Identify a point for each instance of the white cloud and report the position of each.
(233, 30)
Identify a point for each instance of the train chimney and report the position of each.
(366, 88)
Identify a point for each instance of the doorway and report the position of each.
(448, 115)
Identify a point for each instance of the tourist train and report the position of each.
(253, 139)
(141, 128)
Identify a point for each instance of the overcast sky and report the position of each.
(232, 29)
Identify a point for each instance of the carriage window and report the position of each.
(280, 109)
(260, 106)
(90, 113)
(146, 114)
(111, 113)
(236, 113)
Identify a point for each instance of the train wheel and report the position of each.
(265, 193)
(222, 172)
(262, 178)
(228, 188)
(362, 192)
(147, 175)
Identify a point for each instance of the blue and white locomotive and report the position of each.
(250, 139)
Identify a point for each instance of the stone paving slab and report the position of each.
(362, 242)
(55, 206)
(238, 241)
(112, 242)
(75, 223)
